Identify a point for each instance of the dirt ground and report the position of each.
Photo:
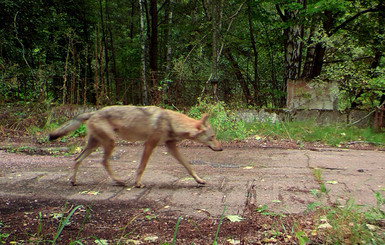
(269, 186)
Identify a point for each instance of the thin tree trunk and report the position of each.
(143, 55)
(167, 37)
(240, 78)
(105, 81)
(117, 94)
(214, 69)
(256, 83)
(153, 52)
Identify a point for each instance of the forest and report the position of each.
(175, 52)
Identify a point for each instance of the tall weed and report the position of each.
(228, 127)
(222, 119)
(350, 225)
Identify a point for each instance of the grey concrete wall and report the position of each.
(302, 94)
(358, 118)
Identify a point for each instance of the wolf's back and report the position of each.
(70, 126)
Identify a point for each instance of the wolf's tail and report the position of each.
(70, 126)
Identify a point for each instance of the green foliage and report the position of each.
(80, 132)
(228, 127)
(222, 119)
(176, 230)
(309, 131)
(65, 221)
(80, 52)
(3, 235)
(356, 85)
(302, 238)
(377, 213)
(349, 225)
(219, 225)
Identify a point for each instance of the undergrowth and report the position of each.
(228, 127)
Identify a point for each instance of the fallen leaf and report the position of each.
(101, 242)
(332, 182)
(233, 241)
(325, 226)
(257, 137)
(234, 218)
(151, 239)
(94, 193)
(269, 240)
(150, 217)
(371, 227)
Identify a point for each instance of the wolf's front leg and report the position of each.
(148, 148)
(173, 150)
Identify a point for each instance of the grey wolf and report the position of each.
(150, 124)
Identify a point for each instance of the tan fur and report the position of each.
(150, 124)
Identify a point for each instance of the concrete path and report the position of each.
(286, 181)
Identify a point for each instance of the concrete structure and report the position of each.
(302, 94)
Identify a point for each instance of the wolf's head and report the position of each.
(206, 134)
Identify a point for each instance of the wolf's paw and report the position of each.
(200, 181)
(139, 185)
(120, 183)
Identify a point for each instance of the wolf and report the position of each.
(150, 124)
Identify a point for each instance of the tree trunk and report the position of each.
(167, 50)
(293, 45)
(293, 51)
(153, 52)
(214, 69)
(104, 80)
(114, 96)
(256, 83)
(143, 35)
(239, 76)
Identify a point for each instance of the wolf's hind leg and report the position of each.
(173, 150)
(108, 145)
(91, 146)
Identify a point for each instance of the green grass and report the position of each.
(352, 224)
(303, 131)
(348, 223)
(228, 128)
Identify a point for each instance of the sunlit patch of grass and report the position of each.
(309, 131)
(349, 225)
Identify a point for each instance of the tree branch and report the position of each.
(279, 11)
(377, 8)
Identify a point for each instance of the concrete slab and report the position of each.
(281, 179)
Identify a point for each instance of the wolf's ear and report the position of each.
(204, 118)
(202, 122)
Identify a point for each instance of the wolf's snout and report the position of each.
(216, 148)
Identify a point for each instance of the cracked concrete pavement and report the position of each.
(282, 179)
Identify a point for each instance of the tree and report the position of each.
(314, 18)
(144, 52)
(150, 52)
